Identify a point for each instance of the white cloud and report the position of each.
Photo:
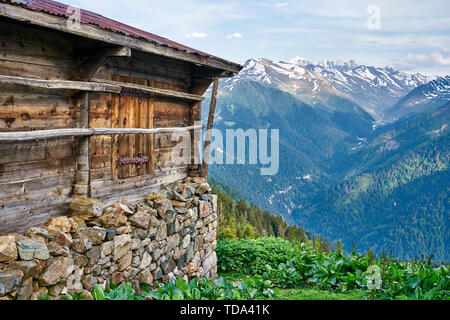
(277, 4)
(434, 59)
(197, 35)
(235, 35)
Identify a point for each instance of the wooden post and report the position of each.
(194, 168)
(81, 188)
(212, 109)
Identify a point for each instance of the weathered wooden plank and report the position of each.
(22, 108)
(166, 109)
(115, 118)
(43, 134)
(110, 131)
(19, 220)
(35, 169)
(22, 152)
(151, 90)
(61, 84)
(209, 127)
(58, 133)
(101, 189)
(150, 138)
(34, 188)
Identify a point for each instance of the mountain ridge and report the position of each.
(373, 89)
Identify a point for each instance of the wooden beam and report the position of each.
(208, 136)
(93, 32)
(97, 85)
(61, 84)
(92, 63)
(43, 134)
(110, 131)
(84, 132)
(82, 160)
(153, 91)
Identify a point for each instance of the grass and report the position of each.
(314, 294)
(307, 293)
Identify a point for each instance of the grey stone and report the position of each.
(56, 290)
(122, 245)
(162, 232)
(89, 282)
(93, 255)
(173, 242)
(186, 241)
(136, 262)
(170, 217)
(96, 235)
(163, 206)
(140, 220)
(58, 270)
(80, 260)
(189, 252)
(29, 268)
(153, 222)
(170, 229)
(26, 290)
(156, 254)
(181, 261)
(8, 249)
(106, 249)
(36, 232)
(157, 274)
(81, 245)
(146, 261)
(146, 277)
(29, 249)
(210, 262)
(168, 266)
(10, 280)
(136, 243)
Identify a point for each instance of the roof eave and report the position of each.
(59, 23)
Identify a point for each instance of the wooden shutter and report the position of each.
(132, 111)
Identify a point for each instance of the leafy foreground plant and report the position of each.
(123, 292)
(287, 265)
(196, 289)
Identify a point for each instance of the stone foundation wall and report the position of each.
(170, 235)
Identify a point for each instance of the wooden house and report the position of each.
(87, 107)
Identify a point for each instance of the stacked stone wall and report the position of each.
(170, 235)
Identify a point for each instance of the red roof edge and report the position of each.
(88, 17)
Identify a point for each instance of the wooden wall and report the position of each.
(37, 178)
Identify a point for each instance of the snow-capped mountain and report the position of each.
(373, 88)
(328, 83)
(301, 81)
(425, 98)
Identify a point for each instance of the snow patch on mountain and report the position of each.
(375, 89)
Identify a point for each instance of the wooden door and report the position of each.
(132, 110)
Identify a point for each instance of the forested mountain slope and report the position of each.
(395, 194)
(340, 176)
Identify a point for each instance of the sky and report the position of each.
(412, 36)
